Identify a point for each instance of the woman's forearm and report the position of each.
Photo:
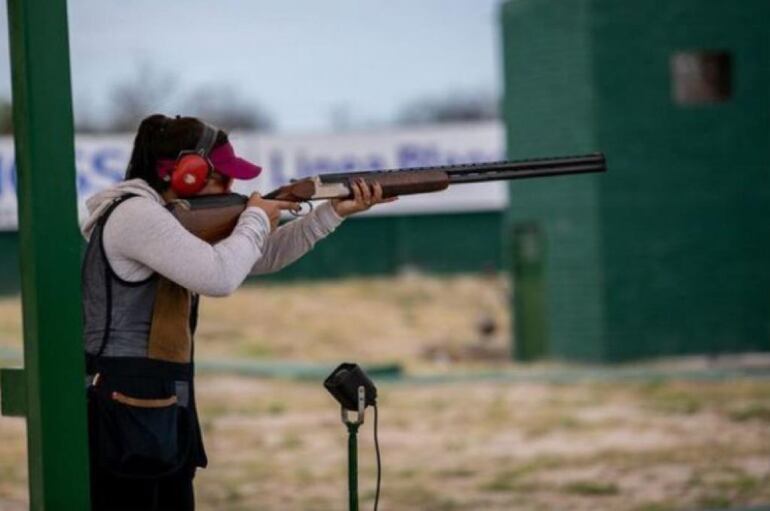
(294, 239)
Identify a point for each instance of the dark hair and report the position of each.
(161, 137)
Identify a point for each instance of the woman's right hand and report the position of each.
(273, 208)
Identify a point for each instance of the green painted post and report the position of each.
(50, 255)
(529, 293)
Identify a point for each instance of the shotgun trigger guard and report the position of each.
(302, 212)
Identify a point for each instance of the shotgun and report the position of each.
(213, 217)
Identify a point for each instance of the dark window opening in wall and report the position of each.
(700, 76)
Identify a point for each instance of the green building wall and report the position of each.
(367, 246)
(665, 254)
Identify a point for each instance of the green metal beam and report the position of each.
(49, 253)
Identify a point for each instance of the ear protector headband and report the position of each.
(193, 168)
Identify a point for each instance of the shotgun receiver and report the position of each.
(213, 217)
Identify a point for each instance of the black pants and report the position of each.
(110, 423)
(111, 493)
(170, 493)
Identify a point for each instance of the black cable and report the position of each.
(379, 462)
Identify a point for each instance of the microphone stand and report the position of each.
(353, 426)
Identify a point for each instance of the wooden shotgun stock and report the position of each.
(213, 217)
(210, 217)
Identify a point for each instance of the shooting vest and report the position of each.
(139, 358)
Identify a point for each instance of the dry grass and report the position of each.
(279, 445)
(488, 446)
(369, 319)
(10, 323)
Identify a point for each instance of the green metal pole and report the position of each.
(353, 465)
(50, 255)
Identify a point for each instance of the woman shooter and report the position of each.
(142, 275)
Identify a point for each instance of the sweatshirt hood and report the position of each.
(99, 203)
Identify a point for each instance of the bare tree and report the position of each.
(454, 107)
(343, 117)
(83, 124)
(150, 90)
(224, 107)
(86, 124)
(85, 120)
(147, 91)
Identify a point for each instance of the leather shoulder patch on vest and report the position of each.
(170, 336)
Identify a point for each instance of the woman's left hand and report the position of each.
(364, 197)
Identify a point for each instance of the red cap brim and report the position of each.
(226, 162)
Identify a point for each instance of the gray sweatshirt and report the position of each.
(142, 236)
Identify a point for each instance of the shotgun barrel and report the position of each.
(494, 171)
(432, 179)
(542, 167)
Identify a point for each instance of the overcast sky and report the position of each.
(299, 59)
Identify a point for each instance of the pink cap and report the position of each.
(225, 162)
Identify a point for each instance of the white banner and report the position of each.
(101, 162)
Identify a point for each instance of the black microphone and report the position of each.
(343, 385)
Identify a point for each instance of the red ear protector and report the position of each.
(193, 168)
